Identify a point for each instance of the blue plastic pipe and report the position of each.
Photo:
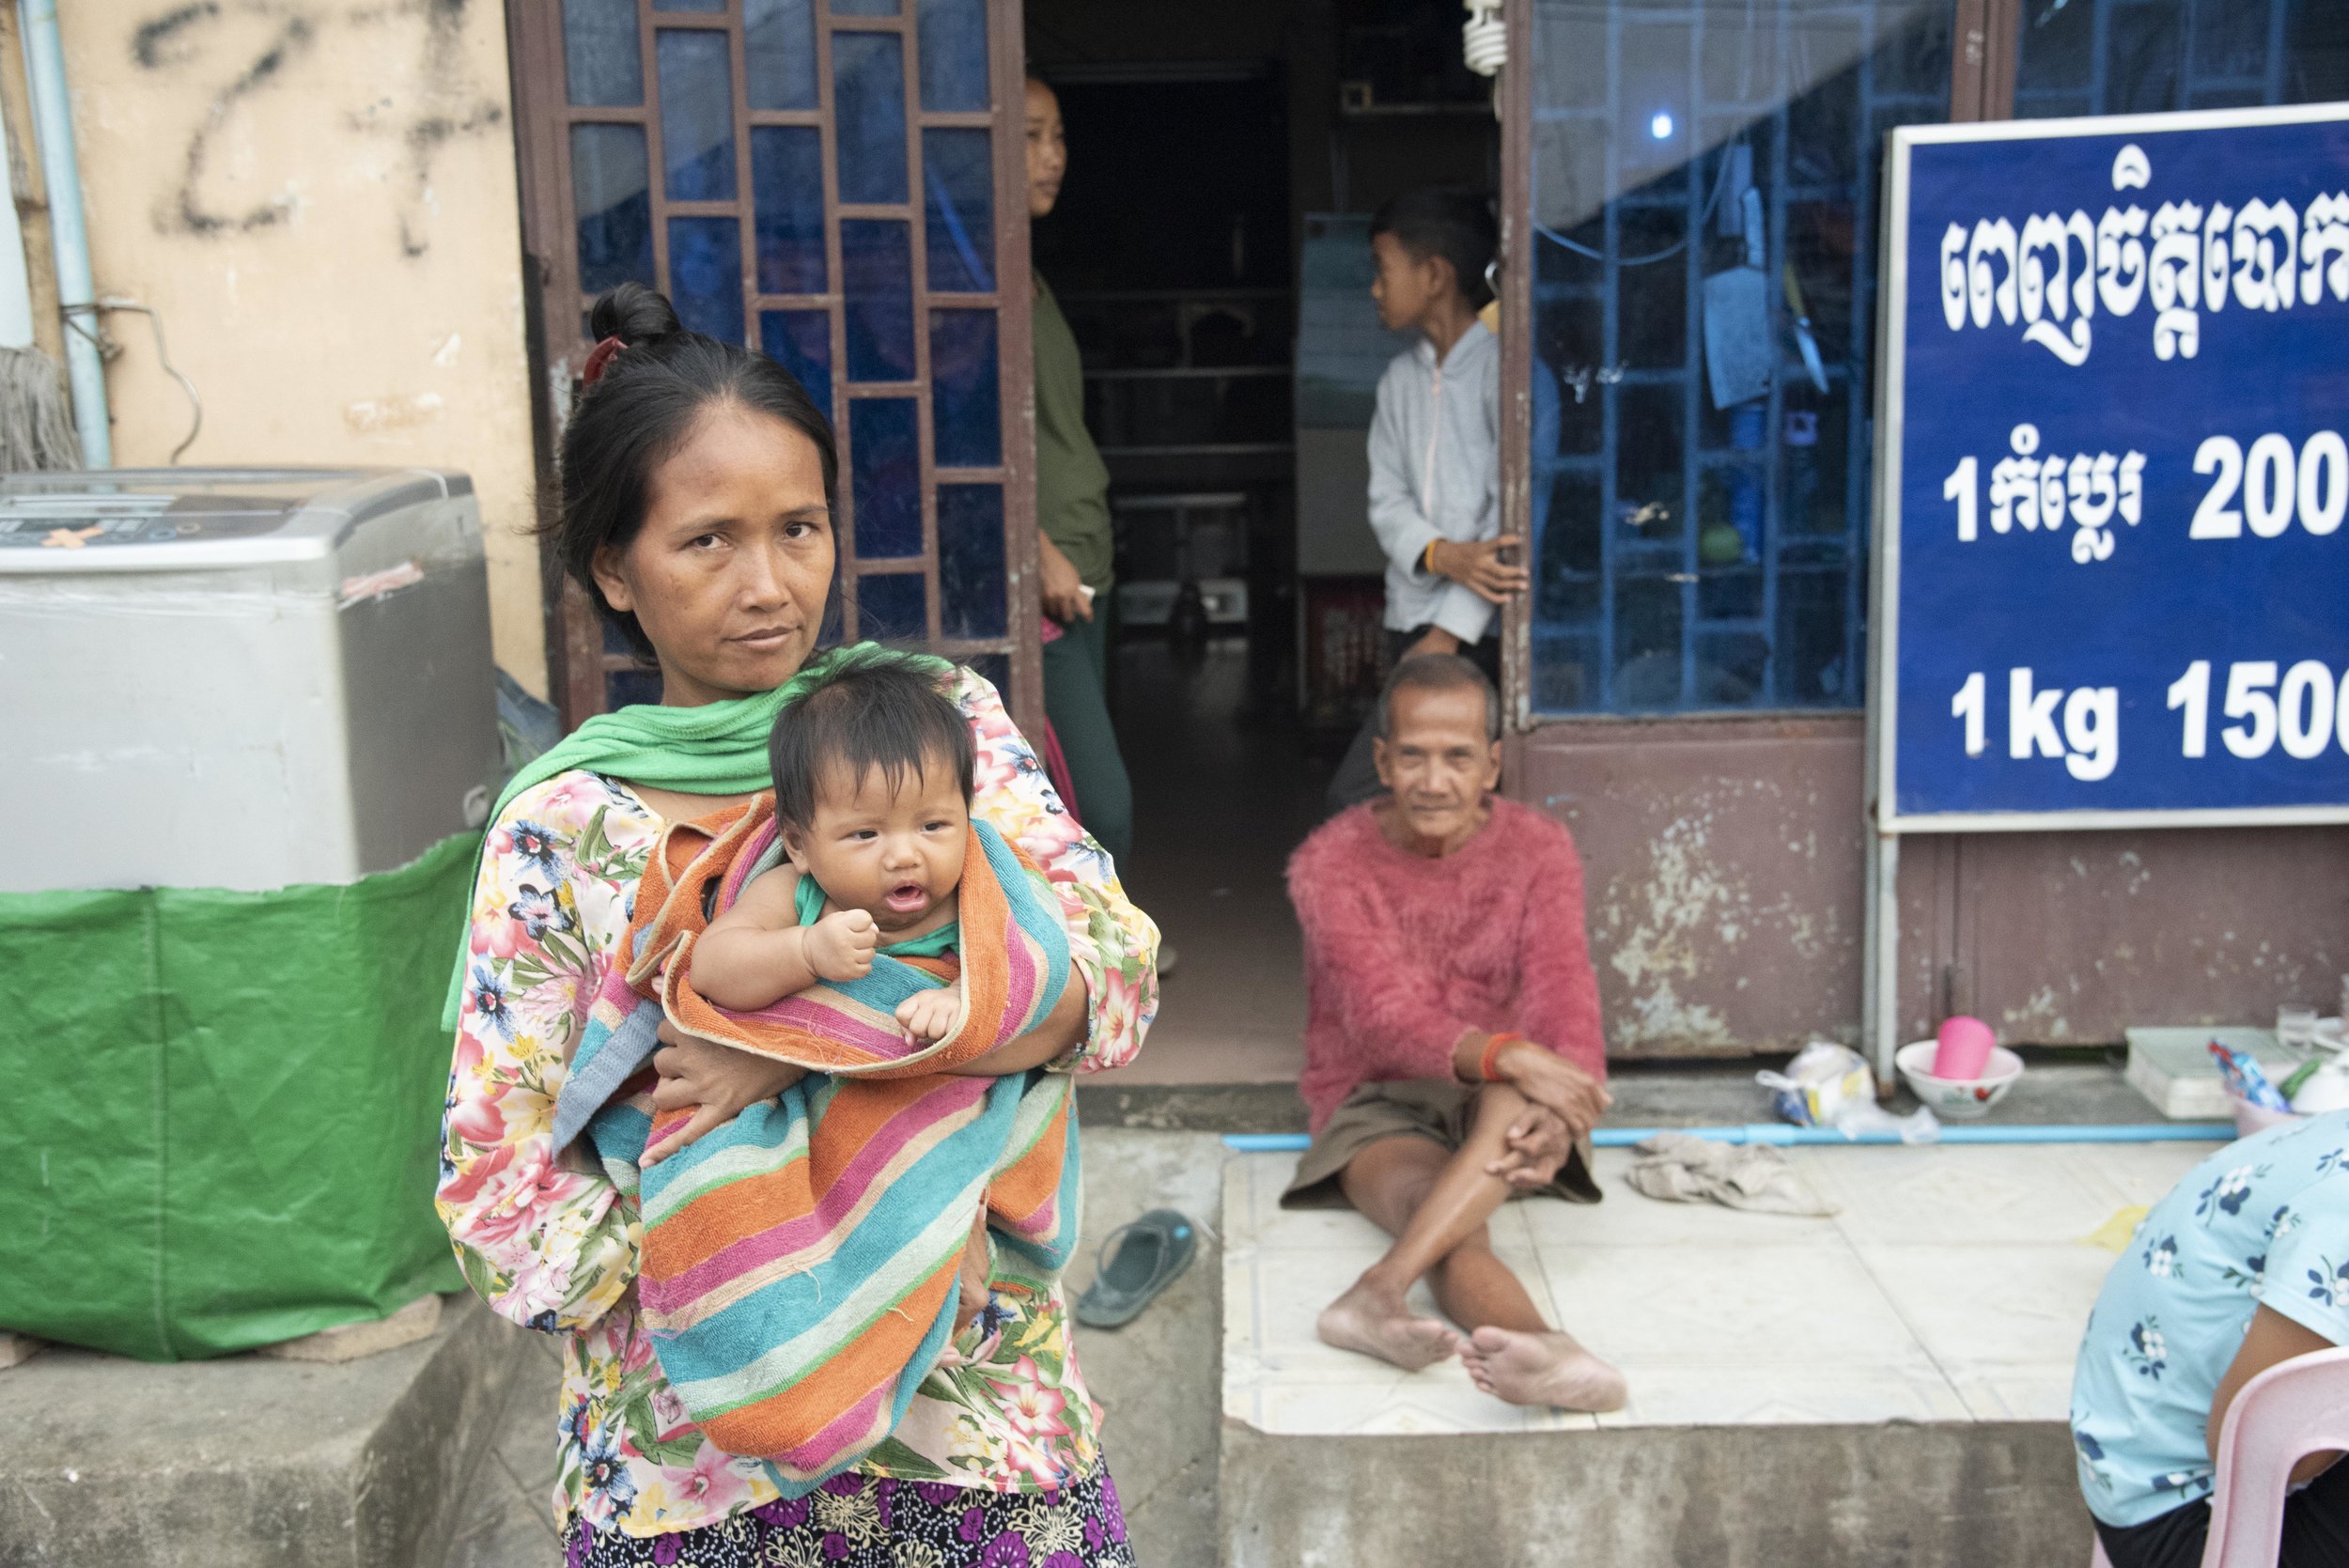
(69, 240)
(1781, 1132)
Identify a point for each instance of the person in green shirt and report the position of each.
(1072, 512)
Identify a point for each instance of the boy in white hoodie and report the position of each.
(1434, 447)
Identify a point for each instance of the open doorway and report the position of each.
(1202, 241)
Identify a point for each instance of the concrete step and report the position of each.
(1155, 1377)
(1881, 1388)
(1883, 1496)
(1885, 1386)
(260, 1461)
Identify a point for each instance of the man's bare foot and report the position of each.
(1377, 1324)
(1541, 1369)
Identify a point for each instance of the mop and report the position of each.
(36, 421)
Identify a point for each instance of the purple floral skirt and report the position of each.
(858, 1521)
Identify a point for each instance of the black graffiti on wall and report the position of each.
(252, 49)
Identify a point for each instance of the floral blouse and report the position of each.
(554, 1245)
(2263, 1222)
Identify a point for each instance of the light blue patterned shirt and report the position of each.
(2261, 1222)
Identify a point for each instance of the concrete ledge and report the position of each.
(1895, 1496)
(106, 1463)
(350, 1341)
(1217, 1108)
(1155, 1377)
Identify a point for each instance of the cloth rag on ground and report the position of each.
(1678, 1168)
(800, 1262)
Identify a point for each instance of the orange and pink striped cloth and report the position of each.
(798, 1267)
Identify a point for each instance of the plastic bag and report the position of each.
(1822, 1078)
(223, 1123)
(1828, 1085)
(2245, 1081)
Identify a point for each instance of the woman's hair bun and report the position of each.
(635, 315)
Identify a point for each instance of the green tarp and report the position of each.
(220, 1122)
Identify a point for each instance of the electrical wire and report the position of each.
(1721, 183)
(108, 349)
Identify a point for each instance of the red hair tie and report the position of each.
(598, 360)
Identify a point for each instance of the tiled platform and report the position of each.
(1951, 1287)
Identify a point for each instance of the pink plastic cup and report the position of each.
(1964, 1047)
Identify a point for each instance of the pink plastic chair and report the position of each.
(2288, 1412)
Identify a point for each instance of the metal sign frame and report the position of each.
(1885, 824)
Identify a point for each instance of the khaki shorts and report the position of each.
(1434, 1109)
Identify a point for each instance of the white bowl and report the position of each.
(1959, 1099)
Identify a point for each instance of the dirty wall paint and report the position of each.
(2065, 938)
(318, 197)
(1723, 863)
(1721, 867)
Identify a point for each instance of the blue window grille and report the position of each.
(2148, 56)
(1688, 555)
(817, 181)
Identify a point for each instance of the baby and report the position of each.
(873, 776)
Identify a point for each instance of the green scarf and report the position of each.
(716, 749)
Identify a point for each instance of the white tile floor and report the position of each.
(1950, 1286)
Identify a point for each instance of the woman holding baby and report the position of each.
(697, 485)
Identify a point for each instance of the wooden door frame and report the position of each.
(1015, 349)
(574, 632)
(577, 664)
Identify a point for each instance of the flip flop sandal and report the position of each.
(1137, 1261)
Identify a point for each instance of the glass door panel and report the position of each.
(1702, 192)
(837, 183)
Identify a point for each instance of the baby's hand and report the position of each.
(840, 946)
(928, 1015)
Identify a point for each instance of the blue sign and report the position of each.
(2113, 458)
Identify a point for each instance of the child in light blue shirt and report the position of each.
(2245, 1262)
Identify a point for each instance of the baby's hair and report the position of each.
(1440, 222)
(865, 710)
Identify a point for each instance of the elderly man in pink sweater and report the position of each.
(1453, 1052)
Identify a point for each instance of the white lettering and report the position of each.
(1967, 705)
(2269, 489)
(2121, 258)
(2325, 234)
(2215, 225)
(2323, 482)
(2031, 725)
(1994, 239)
(2191, 692)
(2091, 484)
(2249, 696)
(2304, 709)
(1953, 276)
(2190, 259)
(2265, 239)
(1960, 486)
(2213, 519)
(2015, 483)
(2174, 279)
(2092, 723)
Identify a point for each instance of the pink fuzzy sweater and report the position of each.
(1404, 953)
